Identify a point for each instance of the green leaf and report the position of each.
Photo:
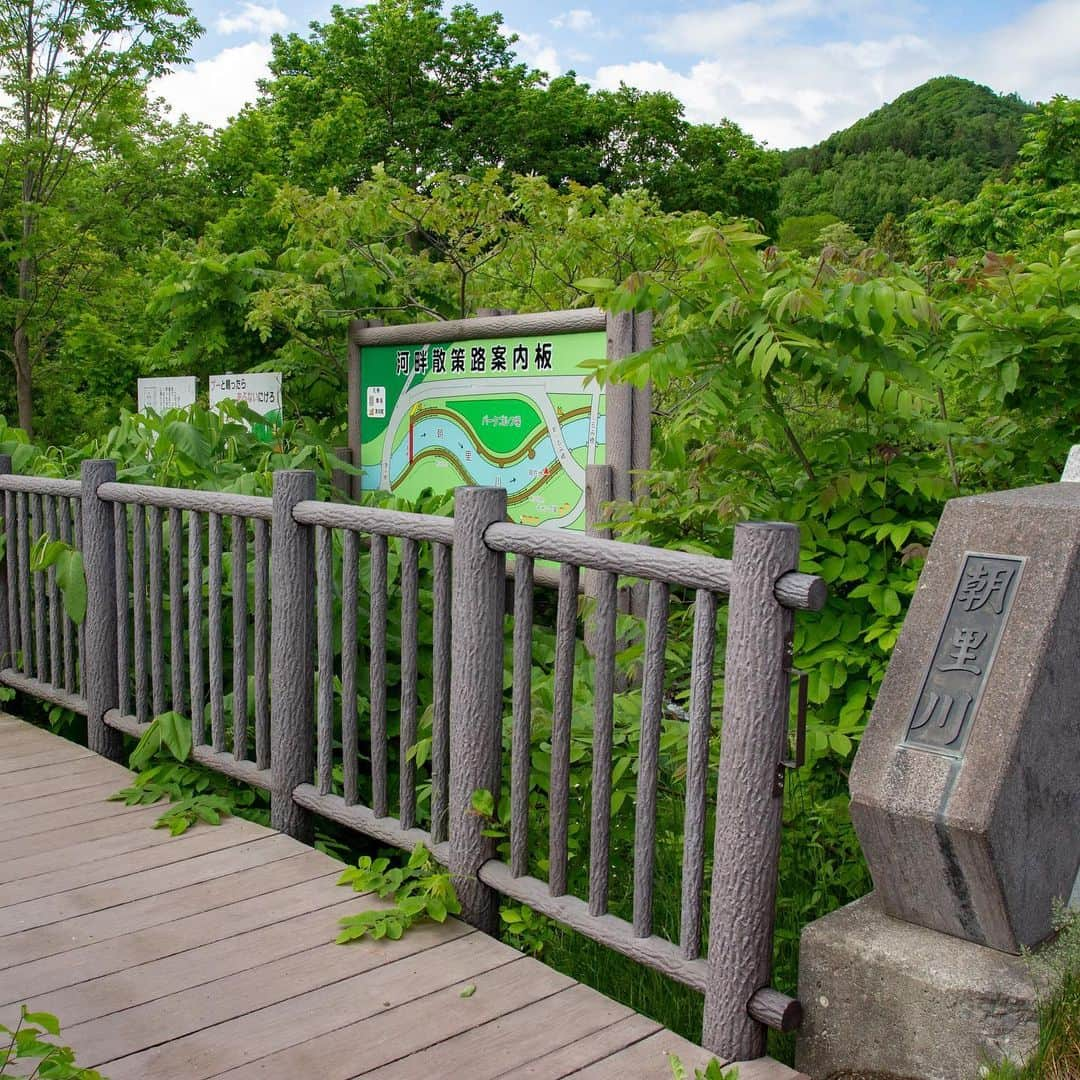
(42, 1019)
(468, 991)
(483, 803)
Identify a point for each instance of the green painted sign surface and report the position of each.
(515, 413)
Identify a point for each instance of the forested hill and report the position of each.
(944, 138)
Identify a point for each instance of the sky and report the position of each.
(790, 72)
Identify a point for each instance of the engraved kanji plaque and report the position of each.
(978, 611)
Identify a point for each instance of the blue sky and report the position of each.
(789, 71)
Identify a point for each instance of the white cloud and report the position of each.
(535, 50)
(1038, 55)
(792, 94)
(704, 32)
(213, 90)
(577, 20)
(253, 19)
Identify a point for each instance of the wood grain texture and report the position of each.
(652, 701)
(702, 661)
(6, 652)
(794, 590)
(479, 597)
(440, 678)
(65, 699)
(206, 502)
(292, 654)
(561, 720)
(99, 654)
(747, 839)
(380, 797)
(40, 485)
(378, 522)
(616, 933)
(576, 321)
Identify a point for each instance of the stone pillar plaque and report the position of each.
(966, 787)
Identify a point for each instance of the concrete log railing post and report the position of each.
(292, 663)
(476, 683)
(7, 654)
(747, 841)
(101, 679)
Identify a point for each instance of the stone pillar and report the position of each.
(966, 799)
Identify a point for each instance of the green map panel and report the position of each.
(518, 413)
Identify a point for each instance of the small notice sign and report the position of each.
(260, 391)
(163, 394)
(965, 652)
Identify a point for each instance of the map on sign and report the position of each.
(512, 412)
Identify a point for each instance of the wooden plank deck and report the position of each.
(211, 955)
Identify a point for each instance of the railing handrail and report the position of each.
(372, 519)
(803, 592)
(40, 485)
(226, 503)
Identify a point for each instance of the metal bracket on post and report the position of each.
(786, 765)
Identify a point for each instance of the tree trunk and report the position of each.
(23, 381)
(23, 370)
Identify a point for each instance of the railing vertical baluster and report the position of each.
(67, 626)
(603, 719)
(652, 701)
(22, 526)
(80, 637)
(196, 693)
(53, 532)
(324, 584)
(440, 677)
(139, 639)
(561, 719)
(11, 561)
(7, 648)
(176, 607)
(697, 772)
(38, 582)
(157, 613)
(99, 656)
(123, 630)
(215, 644)
(262, 644)
(239, 635)
(377, 665)
(350, 568)
(521, 738)
(292, 658)
(409, 599)
(476, 685)
(755, 723)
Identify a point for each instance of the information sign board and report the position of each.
(163, 394)
(260, 391)
(517, 412)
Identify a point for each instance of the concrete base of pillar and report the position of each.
(887, 999)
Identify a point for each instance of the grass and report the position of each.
(1057, 968)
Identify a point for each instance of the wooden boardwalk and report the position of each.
(211, 954)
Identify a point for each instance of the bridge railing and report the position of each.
(338, 603)
(41, 649)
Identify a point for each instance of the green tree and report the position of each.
(71, 75)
